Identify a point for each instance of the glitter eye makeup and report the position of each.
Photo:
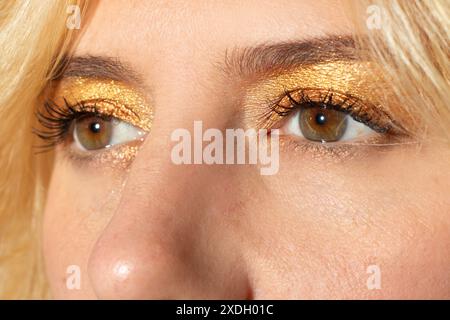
(111, 98)
(334, 102)
(102, 121)
(325, 96)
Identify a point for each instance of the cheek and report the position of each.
(324, 228)
(314, 230)
(79, 205)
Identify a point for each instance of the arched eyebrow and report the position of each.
(101, 67)
(242, 62)
(271, 58)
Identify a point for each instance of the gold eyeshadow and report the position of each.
(118, 157)
(359, 79)
(109, 98)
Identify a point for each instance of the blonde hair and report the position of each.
(411, 43)
(412, 46)
(33, 38)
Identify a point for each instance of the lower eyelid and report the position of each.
(337, 152)
(115, 157)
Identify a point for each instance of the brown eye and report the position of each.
(93, 132)
(320, 124)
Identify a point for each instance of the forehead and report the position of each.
(143, 30)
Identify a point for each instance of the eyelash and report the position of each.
(328, 99)
(56, 120)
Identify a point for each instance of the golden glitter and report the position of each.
(357, 86)
(110, 98)
(117, 157)
(359, 79)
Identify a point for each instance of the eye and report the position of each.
(92, 132)
(329, 116)
(325, 125)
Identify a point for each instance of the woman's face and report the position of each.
(351, 209)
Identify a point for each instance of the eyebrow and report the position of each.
(102, 67)
(269, 58)
(244, 62)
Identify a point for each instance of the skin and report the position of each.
(158, 230)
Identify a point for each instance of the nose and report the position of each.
(167, 238)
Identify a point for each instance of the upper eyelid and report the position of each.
(91, 106)
(113, 98)
(325, 96)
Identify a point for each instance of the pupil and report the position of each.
(321, 119)
(95, 127)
